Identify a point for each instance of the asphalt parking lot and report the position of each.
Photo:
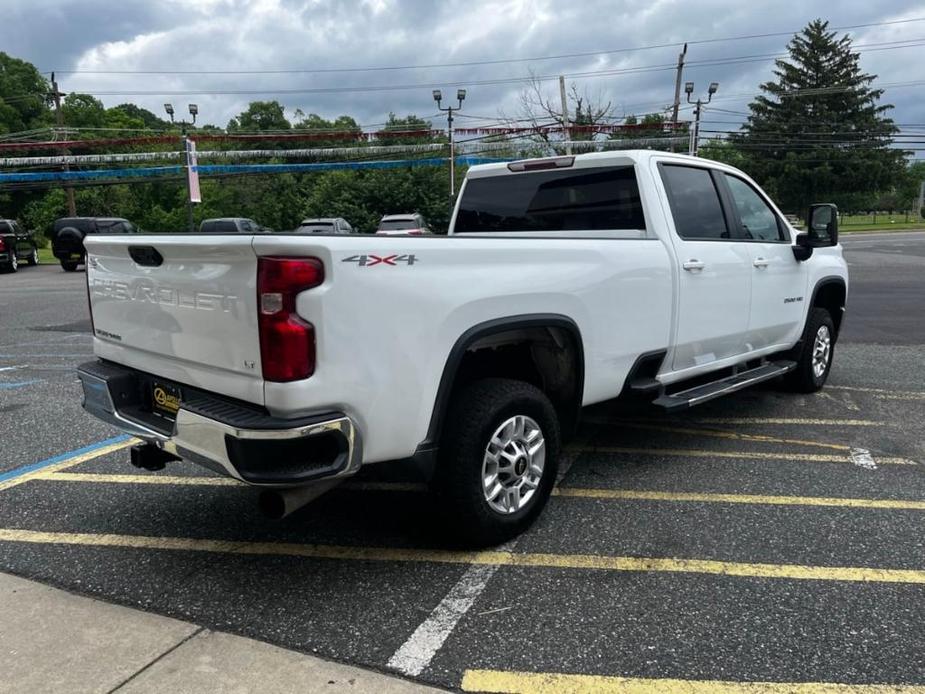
(766, 537)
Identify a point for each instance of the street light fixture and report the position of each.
(698, 110)
(169, 109)
(460, 97)
(193, 110)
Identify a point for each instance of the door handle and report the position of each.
(761, 262)
(693, 264)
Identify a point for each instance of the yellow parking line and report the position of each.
(493, 558)
(138, 479)
(569, 492)
(789, 420)
(743, 455)
(642, 495)
(884, 392)
(202, 480)
(69, 462)
(899, 396)
(499, 682)
(735, 436)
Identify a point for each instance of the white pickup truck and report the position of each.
(289, 361)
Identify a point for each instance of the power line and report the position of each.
(469, 83)
(477, 62)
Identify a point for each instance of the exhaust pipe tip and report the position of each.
(276, 504)
(272, 504)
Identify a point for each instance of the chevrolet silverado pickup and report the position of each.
(289, 361)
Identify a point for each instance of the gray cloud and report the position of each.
(272, 34)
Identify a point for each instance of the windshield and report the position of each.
(573, 200)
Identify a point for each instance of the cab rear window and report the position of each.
(588, 199)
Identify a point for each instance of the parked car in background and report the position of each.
(16, 246)
(325, 225)
(68, 233)
(403, 224)
(231, 225)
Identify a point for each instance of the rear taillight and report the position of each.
(287, 343)
(2, 245)
(415, 232)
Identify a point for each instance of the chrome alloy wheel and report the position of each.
(513, 464)
(822, 351)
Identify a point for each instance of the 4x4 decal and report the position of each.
(371, 260)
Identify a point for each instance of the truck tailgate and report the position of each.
(184, 308)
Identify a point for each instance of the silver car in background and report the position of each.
(403, 224)
(325, 225)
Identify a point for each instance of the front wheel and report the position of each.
(34, 257)
(814, 360)
(498, 460)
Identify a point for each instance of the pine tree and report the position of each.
(818, 132)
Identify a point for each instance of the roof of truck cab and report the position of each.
(622, 157)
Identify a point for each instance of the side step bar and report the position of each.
(724, 386)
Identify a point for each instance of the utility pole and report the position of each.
(59, 119)
(677, 95)
(565, 120)
(918, 209)
(694, 145)
(460, 97)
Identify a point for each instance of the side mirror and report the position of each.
(822, 223)
(804, 248)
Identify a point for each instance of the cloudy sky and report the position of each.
(419, 37)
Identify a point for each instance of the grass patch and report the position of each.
(883, 228)
(46, 257)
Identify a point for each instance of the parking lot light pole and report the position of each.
(194, 111)
(460, 97)
(698, 109)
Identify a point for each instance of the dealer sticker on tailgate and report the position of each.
(165, 399)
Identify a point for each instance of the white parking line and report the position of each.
(416, 653)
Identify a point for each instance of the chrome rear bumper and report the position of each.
(265, 450)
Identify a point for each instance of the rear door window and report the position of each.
(695, 203)
(597, 199)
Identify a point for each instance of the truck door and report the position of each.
(778, 279)
(715, 269)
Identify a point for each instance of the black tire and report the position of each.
(33, 258)
(474, 417)
(805, 378)
(13, 265)
(69, 267)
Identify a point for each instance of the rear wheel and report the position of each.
(13, 265)
(498, 460)
(69, 267)
(814, 360)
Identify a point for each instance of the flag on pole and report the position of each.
(192, 171)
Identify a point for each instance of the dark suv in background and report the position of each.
(16, 246)
(67, 237)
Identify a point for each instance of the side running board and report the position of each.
(724, 386)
